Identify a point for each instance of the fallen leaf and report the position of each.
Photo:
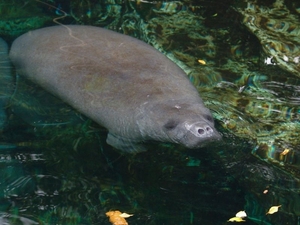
(285, 151)
(125, 215)
(241, 214)
(273, 209)
(236, 219)
(201, 61)
(115, 218)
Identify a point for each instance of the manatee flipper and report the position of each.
(125, 144)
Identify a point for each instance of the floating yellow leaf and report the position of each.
(285, 151)
(115, 218)
(241, 214)
(201, 61)
(125, 215)
(273, 209)
(236, 219)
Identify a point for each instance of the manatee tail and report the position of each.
(6, 82)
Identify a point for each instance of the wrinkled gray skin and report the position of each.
(118, 81)
(6, 81)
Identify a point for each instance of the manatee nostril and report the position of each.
(205, 130)
(208, 129)
(201, 131)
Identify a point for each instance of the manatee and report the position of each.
(120, 82)
(6, 81)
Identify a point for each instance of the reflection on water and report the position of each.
(59, 170)
(57, 180)
(62, 185)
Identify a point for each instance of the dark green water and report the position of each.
(58, 183)
(57, 173)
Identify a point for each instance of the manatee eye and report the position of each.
(209, 118)
(171, 124)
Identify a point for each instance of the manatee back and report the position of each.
(114, 79)
(98, 71)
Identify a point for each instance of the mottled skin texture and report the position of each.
(118, 81)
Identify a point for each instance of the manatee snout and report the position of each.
(199, 134)
(199, 129)
(193, 133)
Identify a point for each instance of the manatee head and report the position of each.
(190, 125)
(193, 132)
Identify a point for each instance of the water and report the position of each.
(58, 184)
(6, 79)
(55, 167)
